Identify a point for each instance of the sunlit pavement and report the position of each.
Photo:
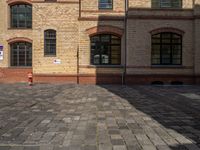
(89, 117)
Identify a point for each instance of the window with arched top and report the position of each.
(21, 16)
(105, 49)
(166, 3)
(166, 49)
(21, 54)
(50, 42)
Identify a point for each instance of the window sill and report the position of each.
(167, 66)
(168, 9)
(101, 66)
(105, 9)
(20, 67)
(19, 28)
(49, 55)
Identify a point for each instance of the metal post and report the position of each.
(125, 39)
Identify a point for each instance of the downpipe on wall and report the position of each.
(125, 41)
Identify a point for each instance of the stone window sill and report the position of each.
(101, 66)
(19, 28)
(49, 55)
(20, 67)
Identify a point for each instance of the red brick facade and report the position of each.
(13, 75)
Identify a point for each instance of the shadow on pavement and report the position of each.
(167, 106)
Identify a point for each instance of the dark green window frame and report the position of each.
(21, 54)
(50, 42)
(105, 4)
(166, 4)
(105, 49)
(21, 16)
(166, 49)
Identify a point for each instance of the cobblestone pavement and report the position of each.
(88, 117)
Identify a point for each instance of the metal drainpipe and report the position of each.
(78, 47)
(78, 65)
(125, 36)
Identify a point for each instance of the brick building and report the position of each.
(100, 41)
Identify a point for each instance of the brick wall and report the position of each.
(73, 36)
(12, 75)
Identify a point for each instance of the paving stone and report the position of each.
(31, 148)
(46, 147)
(105, 147)
(103, 117)
(148, 147)
(90, 147)
(119, 147)
(4, 147)
(17, 148)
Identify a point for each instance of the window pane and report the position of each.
(96, 55)
(105, 38)
(50, 42)
(115, 54)
(166, 3)
(156, 40)
(168, 52)
(95, 39)
(155, 3)
(105, 50)
(176, 3)
(21, 16)
(155, 61)
(21, 54)
(105, 4)
(115, 40)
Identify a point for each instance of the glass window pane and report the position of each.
(21, 54)
(95, 39)
(50, 42)
(105, 50)
(176, 3)
(105, 38)
(21, 16)
(155, 61)
(105, 4)
(156, 40)
(165, 3)
(155, 3)
(168, 51)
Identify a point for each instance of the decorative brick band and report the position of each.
(13, 2)
(161, 9)
(102, 11)
(58, 1)
(162, 17)
(105, 29)
(19, 39)
(166, 29)
(102, 18)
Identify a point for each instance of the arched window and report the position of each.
(105, 49)
(105, 4)
(21, 16)
(166, 3)
(166, 49)
(50, 42)
(21, 54)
